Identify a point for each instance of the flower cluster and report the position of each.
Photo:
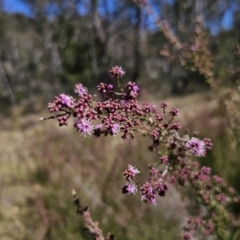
(149, 190)
(117, 72)
(61, 103)
(119, 113)
(130, 186)
(80, 89)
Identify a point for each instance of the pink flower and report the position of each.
(208, 143)
(80, 89)
(187, 236)
(117, 72)
(174, 112)
(129, 188)
(196, 147)
(132, 169)
(130, 173)
(66, 100)
(164, 105)
(135, 88)
(115, 129)
(148, 193)
(206, 170)
(84, 126)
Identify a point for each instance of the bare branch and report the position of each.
(91, 226)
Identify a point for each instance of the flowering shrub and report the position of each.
(119, 113)
(174, 160)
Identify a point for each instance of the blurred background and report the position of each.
(46, 47)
